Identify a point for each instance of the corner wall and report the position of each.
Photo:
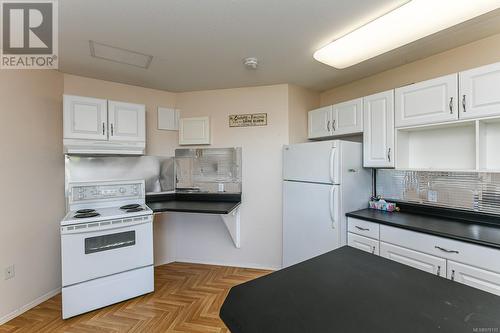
(204, 238)
(300, 101)
(32, 178)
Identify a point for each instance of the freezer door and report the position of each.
(311, 220)
(317, 162)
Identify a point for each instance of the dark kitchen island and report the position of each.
(348, 290)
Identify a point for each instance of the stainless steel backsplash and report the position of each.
(479, 192)
(158, 172)
(204, 168)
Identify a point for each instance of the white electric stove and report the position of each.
(106, 245)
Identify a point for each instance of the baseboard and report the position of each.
(231, 264)
(28, 306)
(165, 261)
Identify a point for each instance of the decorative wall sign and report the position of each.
(250, 119)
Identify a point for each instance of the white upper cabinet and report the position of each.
(347, 117)
(99, 126)
(432, 101)
(194, 131)
(479, 92)
(85, 118)
(319, 122)
(378, 137)
(338, 119)
(127, 121)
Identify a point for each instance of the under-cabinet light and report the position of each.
(405, 24)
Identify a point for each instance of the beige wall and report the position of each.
(482, 52)
(203, 238)
(300, 101)
(32, 179)
(158, 142)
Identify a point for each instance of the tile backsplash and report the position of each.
(474, 191)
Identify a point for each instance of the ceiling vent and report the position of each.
(122, 56)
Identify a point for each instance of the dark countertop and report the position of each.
(482, 234)
(348, 290)
(194, 203)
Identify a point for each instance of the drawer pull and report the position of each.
(439, 271)
(373, 250)
(452, 275)
(362, 229)
(445, 250)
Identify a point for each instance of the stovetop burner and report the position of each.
(86, 215)
(131, 206)
(136, 209)
(85, 211)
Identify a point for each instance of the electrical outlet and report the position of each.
(10, 272)
(432, 196)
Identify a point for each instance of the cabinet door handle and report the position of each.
(373, 250)
(389, 154)
(452, 275)
(333, 124)
(112, 130)
(445, 250)
(463, 103)
(362, 229)
(328, 125)
(439, 271)
(103, 128)
(451, 105)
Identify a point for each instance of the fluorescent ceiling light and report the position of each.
(116, 54)
(403, 25)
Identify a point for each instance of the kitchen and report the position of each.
(33, 136)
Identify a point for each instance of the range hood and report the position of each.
(96, 147)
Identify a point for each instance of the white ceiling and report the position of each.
(200, 44)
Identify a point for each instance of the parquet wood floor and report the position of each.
(187, 298)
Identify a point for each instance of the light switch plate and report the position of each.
(432, 196)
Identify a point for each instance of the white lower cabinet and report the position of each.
(415, 259)
(363, 243)
(474, 265)
(474, 277)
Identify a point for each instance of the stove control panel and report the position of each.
(93, 192)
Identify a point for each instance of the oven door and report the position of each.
(95, 252)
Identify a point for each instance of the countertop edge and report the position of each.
(196, 211)
(426, 231)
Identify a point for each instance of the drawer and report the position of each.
(474, 277)
(415, 259)
(476, 255)
(363, 228)
(363, 243)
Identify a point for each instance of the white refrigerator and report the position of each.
(322, 181)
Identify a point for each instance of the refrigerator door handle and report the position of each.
(333, 166)
(333, 205)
